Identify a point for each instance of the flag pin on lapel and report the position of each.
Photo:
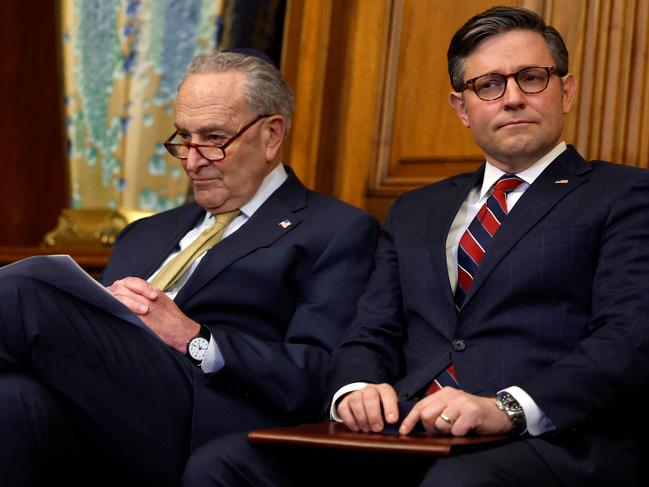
(561, 181)
(285, 224)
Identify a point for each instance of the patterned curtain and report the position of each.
(123, 60)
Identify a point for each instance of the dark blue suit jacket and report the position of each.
(276, 297)
(559, 307)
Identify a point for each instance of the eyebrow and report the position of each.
(206, 129)
(520, 67)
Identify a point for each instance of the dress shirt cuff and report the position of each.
(354, 386)
(537, 422)
(213, 361)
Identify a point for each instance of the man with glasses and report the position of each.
(511, 301)
(522, 308)
(246, 291)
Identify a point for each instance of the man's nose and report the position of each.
(514, 97)
(195, 160)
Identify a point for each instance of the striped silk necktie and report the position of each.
(446, 379)
(473, 245)
(177, 266)
(476, 240)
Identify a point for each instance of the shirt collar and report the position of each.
(268, 186)
(529, 175)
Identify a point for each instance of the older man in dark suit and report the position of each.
(242, 330)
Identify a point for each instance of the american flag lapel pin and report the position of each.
(562, 181)
(285, 223)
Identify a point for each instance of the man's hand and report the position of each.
(454, 412)
(366, 408)
(156, 310)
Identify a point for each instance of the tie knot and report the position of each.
(508, 183)
(224, 219)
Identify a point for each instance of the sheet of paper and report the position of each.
(62, 272)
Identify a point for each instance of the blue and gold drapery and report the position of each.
(122, 63)
(123, 60)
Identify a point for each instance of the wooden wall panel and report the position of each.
(636, 144)
(422, 139)
(334, 60)
(608, 42)
(383, 120)
(304, 62)
(33, 177)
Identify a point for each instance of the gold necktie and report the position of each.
(177, 266)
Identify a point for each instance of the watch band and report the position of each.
(507, 403)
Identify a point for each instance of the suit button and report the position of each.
(458, 345)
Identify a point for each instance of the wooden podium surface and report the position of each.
(336, 435)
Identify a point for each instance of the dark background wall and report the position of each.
(33, 178)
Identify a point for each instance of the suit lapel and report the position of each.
(560, 178)
(276, 217)
(159, 247)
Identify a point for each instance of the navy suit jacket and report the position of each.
(277, 296)
(559, 306)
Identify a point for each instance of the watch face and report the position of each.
(197, 348)
(509, 402)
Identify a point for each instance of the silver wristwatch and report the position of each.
(506, 402)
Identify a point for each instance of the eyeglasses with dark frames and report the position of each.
(211, 152)
(491, 86)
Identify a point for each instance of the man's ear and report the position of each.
(274, 135)
(457, 102)
(569, 91)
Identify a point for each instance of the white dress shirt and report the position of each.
(213, 360)
(537, 422)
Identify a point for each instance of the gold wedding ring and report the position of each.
(446, 419)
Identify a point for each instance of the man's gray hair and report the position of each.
(265, 90)
(494, 21)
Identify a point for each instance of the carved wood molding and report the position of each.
(394, 171)
(305, 52)
(608, 43)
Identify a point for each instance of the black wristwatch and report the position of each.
(197, 346)
(506, 402)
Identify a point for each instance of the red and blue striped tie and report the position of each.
(473, 245)
(476, 240)
(446, 379)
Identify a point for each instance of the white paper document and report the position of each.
(62, 272)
